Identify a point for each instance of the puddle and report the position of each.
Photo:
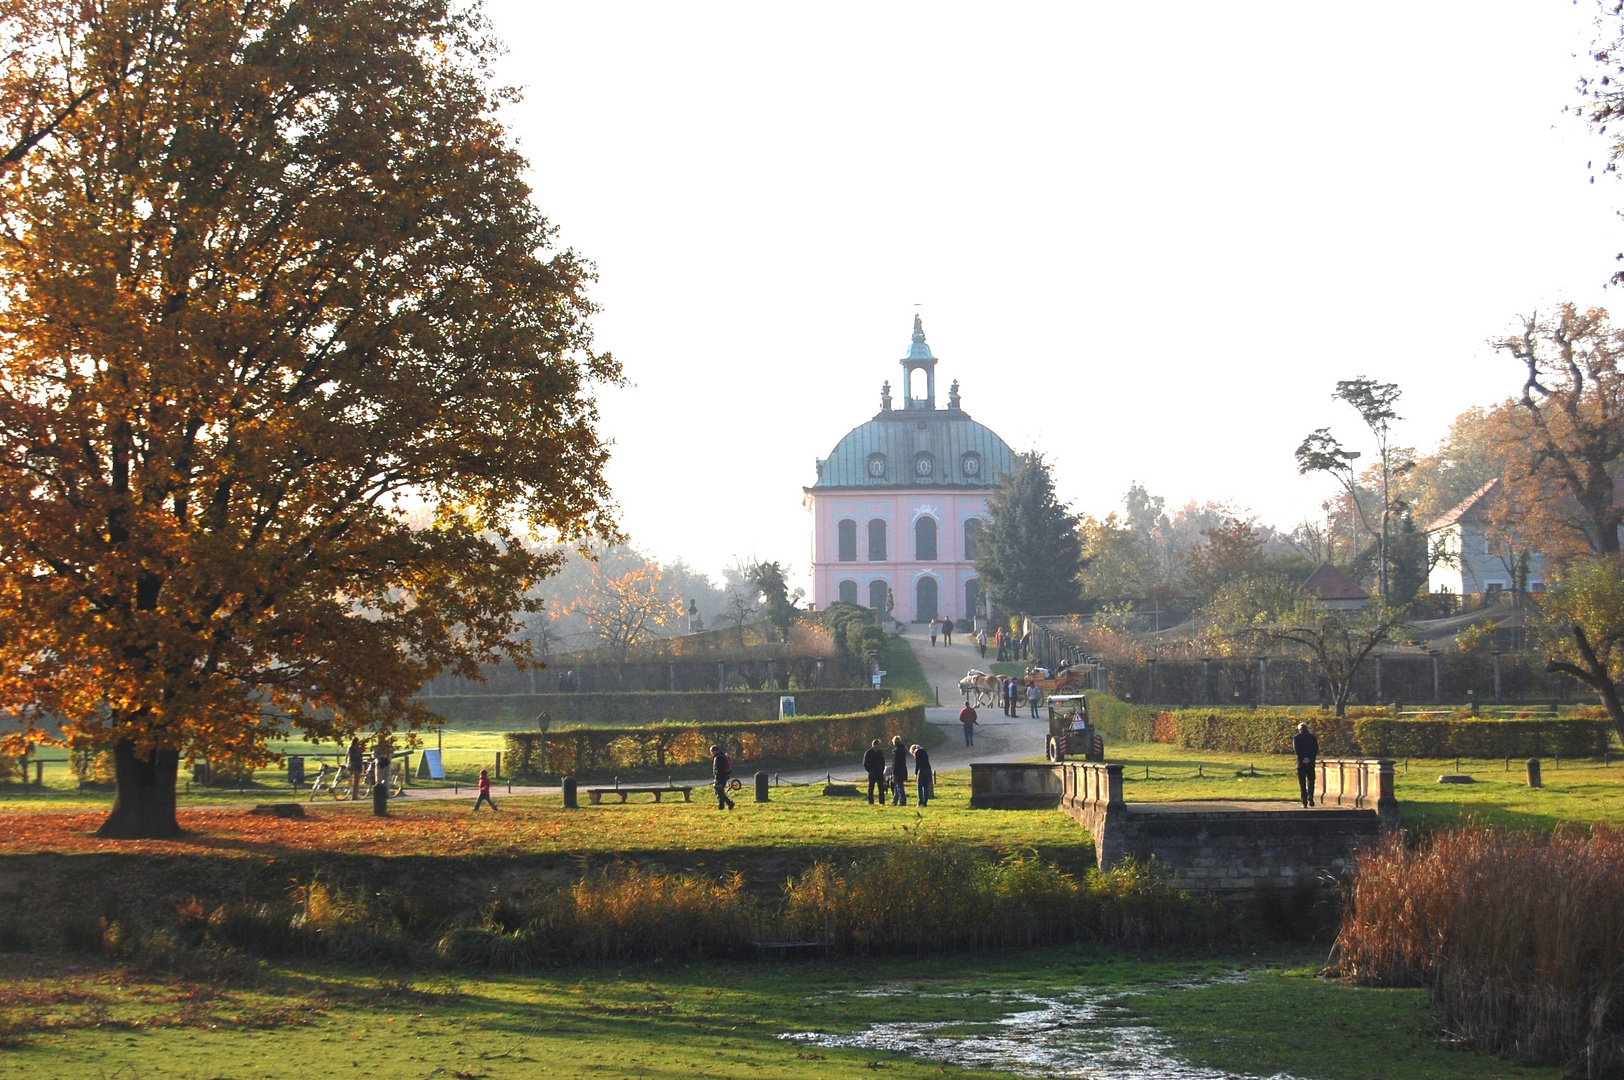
(1085, 1033)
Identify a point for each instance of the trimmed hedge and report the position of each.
(782, 742)
(1363, 732)
(519, 711)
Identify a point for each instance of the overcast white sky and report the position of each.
(1146, 238)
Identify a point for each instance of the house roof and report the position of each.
(1329, 583)
(1474, 507)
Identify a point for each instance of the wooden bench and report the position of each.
(596, 794)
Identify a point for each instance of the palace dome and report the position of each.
(917, 445)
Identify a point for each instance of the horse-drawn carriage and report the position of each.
(1070, 731)
(1067, 680)
(981, 689)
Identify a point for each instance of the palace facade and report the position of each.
(898, 505)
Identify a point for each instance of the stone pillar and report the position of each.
(1381, 781)
(1533, 773)
(1113, 785)
(570, 802)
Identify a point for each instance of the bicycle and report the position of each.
(328, 780)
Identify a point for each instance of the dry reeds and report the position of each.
(930, 896)
(1519, 936)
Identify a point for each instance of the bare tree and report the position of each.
(1321, 452)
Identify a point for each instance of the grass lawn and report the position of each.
(1242, 1014)
(1576, 791)
(798, 821)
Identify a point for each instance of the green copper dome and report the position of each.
(918, 445)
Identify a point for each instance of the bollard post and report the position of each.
(1533, 773)
(570, 802)
(761, 787)
(380, 800)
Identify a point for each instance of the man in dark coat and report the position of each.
(1306, 747)
(721, 773)
(874, 765)
(899, 771)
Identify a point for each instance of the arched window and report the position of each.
(876, 594)
(925, 599)
(972, 540)
(876, 540)
(925, 539)
(848, 592)
(846, 532)
(972, 598)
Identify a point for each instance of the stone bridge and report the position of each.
(1210, 846)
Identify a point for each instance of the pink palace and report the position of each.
(898, 504)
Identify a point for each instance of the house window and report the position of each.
(848, 592)
(876, 540)
(972, 539)
(846, 530)
(925, 539)
(876, 594)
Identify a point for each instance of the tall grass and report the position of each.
(1519, 936)
(931, 896)
(622, 912)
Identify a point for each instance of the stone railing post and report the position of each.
(1113, 786)
(1324, 785)
(1382, 781)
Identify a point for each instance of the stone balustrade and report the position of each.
(1359, 783)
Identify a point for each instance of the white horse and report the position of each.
(984, 686)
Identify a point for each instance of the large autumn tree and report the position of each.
(289, 371)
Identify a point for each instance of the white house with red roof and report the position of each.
(1476, 560)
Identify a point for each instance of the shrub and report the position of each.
(602, 750)
(1363, 732)
(1519, 937)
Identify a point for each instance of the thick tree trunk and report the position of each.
(144, 805)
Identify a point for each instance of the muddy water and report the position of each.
(1083, 1033)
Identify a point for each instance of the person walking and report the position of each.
(355, 761)
(484, 790)
(933, 633)
(924, 776)
(1033, 696)
(721, 773)
(899, 772)
(998, 642)
(874, 766)
(967, 717)
(1306, 747)
(947, 631)
(981, 641)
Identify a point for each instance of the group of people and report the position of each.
(892, 779)
(944, 628)
(1013, 692)
(1010, 647)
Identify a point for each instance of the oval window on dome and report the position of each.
(876, 466)
(971, 465)
(924, 467)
